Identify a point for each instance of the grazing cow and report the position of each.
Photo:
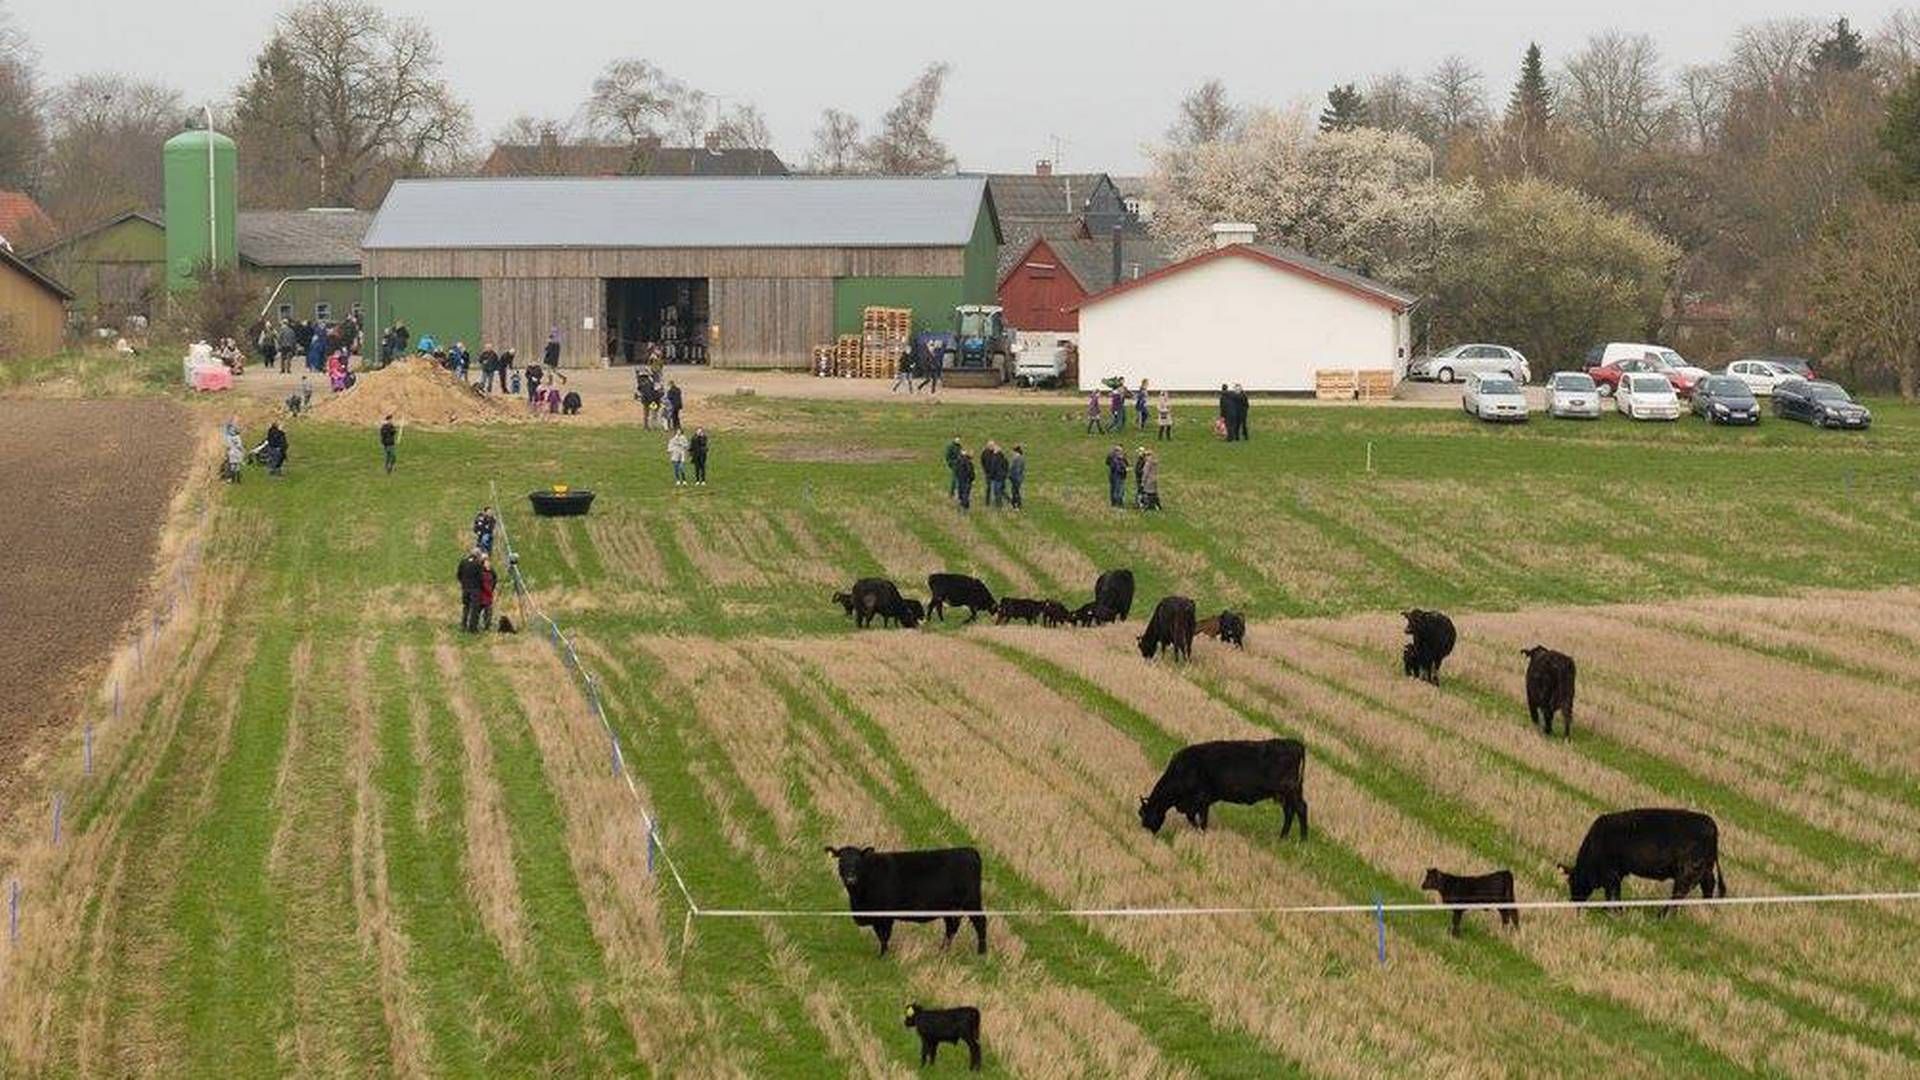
(1053, 613)
(845, 600)
(1433, 639)
(1235, 771)
(1114, 589)
(938, 1026)
(1014, 607)
(1655, 844)
(945, 880)
(1494, 888)
(960, 591)
(1170, 627)
(1228, 626)
(1093, 613)
(1549, 688)
(880, 597)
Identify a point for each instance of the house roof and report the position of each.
(151, 217)
(1058, 195)
(21, 216)
(1018, 234)
(553, 159)
(1281, 258)
(301, 237)
(8, 258)
(1089, 261)
(669, 212)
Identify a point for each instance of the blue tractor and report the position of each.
(982, 348)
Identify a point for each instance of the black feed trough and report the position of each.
(560, 502)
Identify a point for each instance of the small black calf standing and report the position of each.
(1494, 888)
(938, 1026)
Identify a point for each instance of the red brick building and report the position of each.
(1043, 287)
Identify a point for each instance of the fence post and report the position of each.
(89, 750)
(59, 804)
(1380, 923)
(651, 844)
(13, 911)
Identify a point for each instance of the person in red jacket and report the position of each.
(485, 595)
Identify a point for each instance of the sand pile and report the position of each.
(414, 390)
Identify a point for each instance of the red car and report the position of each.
(1607, 376)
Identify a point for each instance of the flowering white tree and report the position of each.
(1364, 199)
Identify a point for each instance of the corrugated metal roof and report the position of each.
(552, 159)
(301, 237)
(674, 212)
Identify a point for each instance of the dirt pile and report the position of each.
(414, 390)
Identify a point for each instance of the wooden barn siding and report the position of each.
(769, 322)
(36, 317)
(517, 314)
(666, 262)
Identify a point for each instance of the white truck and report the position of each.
(1041, 358)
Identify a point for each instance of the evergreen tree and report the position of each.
(1900, 139)
(1530, 113)
(1346, 109)
(1843, 50)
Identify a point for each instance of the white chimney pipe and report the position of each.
(1229, 233)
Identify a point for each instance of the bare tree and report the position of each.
(742, 127)
(836, 144)
(1895, 49)
(105, 151)
(1205, 115)
(1393, 104)
(905, 145)
(1702, 93)
(22, 138)
(632, 101)
(691, 116)
(1865, 290)
(1767, 69)
(529, 130)
(1454, 94)
(361, 91)
(1611, 91)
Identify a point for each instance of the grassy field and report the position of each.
(334, 836)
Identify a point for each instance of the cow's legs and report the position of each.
(1200, 816)
(1286, 815)
(1300, 810)
(1457, 913)
(979, 933)
(929, 1046)
(883, 929)
(1567, 717)
(973, 1053)
(1509, 916)
(953, 927)
(972, 614)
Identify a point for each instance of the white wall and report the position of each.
(1235, 320)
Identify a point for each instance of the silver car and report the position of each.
(1494, 397)
(1461, 361)
(1573, 393)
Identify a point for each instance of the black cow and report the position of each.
(1093, 613)
(944, 880)
(1236, 771)
(1433, 638)
(1682, 845)
(960, 591)
(938, 1026)
(845, 600)
(880, 597)
(1494, 888)
(1114, 589)
(1053, 613)
(1549, 688)
(1171, 627)
(1228, 626)
(1015, 607)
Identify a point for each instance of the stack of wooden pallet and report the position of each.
(823, 360)
(1375, 385)
(885, 334)
(846, 356)
(1335, 384)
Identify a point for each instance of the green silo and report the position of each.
(200, 171)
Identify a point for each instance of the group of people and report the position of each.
(657, 400)
(1005, 474)
(476, 577)
(271, 451)
(682, 451)
(1114, 417)
(318, 342)
(1146, 478)
(1233, 413)
(919, 370)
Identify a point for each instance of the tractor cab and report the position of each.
(981, 346)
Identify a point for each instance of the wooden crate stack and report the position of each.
(1335, 384)
(1375, 385)
(884, 336)
(846, 356)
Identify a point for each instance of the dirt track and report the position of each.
(83, 494)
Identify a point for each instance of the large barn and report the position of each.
(1267, 318)
(736, 272)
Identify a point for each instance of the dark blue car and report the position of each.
(1820, 403)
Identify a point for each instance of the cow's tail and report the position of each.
(1719, 879)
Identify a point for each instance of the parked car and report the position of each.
(1457, 363)
(1761, 375)
(1572, 393)
(1494, 397)
(1645, 395)
(1606, 363)
(1725, 399)
(1799, 365)
(1822, 404)
(1040, 361)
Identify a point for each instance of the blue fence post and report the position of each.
(1380, 923)
(652, 842)
(89, 750)
(59, 804)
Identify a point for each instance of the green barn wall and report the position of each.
(447, 308)
(341, 296)
(981, 283)
(931, 298)
(84, 264)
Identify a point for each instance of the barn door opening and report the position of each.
(667, 317)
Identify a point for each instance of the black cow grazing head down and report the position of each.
(1054, 613)
(845, 600)
(1236, 771)
(879, 598)
(1494, 888)
(1229, 626)
(944, 880)
(1550, 677)
(938, 1026)
(1657, 844)
(959, 590)
(1114, 591)
(1432, 637)
(1170, 628)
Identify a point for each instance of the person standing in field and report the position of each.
(506, 369)
(483, 525)
(677, 457)
(963, 479)
(1140, 477)
(1093, 412)
(1117, 405)
(1149, 481)
(954, 453)
(288, 341)
(235, 449)
(534, 375)
(1226, 411)
(1140, 405)
(1117, 477)
(485, 599)
(697, 450)
(468, 575)
(674, 402)
(551, 357)
(1241, 407)
(1016, 473)
(389, 442)
(994, 464)
(1166, 417)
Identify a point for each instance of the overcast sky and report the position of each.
(1100, 77)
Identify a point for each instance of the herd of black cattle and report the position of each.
(884, 887)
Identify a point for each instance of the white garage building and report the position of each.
(1265, 317)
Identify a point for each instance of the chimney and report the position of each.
(1229, 233)
(1043, 167)
(1117, 265)
(712, 142)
